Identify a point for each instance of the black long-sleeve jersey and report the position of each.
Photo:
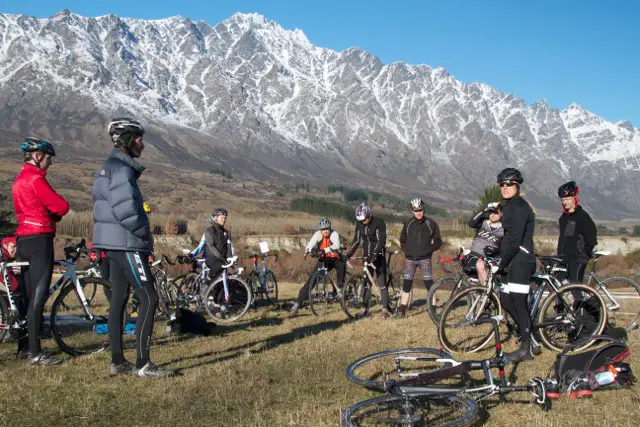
(373, 237)
(518, 222)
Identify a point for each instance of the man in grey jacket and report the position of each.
(324, 241)
(122, 231)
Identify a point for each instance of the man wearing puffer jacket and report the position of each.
(122, 231)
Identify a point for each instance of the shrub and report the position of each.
(170, 227)
(289, 229)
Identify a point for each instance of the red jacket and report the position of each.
(38, 207)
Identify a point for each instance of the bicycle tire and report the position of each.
(626, 316)
(394, 287)
(354, 296)
(472, 303)
(373, 370)
(319, 295)
(72, 330)
(4, 317)
(188, 289)
(272, 292)
(424, 410)
(579, 326)
(240, 298)
(439, 292)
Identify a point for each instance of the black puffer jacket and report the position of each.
(518, 222)
(420, 239)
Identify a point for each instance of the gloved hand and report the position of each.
(496, 269)
(315, 252)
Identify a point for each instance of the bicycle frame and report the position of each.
(70, 274)
(13, 308)
(418, 383)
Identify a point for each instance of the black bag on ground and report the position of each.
(185, 321)
(583, 368)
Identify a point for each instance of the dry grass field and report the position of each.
(266, 370)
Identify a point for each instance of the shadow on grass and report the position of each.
(266, 344)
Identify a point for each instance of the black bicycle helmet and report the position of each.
(123, 129)
(216, 212)
(570, 189)
(510, 175)
(32, 145)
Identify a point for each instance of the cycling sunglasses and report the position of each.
(507, 183)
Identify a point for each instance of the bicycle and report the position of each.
(171, 297)
(262, 280)
(446, 287)
(357, 292)
(560, 315)
(427, 387)
(74, 317)
(193, 286)
(623, 301)
(319, 294)
(228, 298)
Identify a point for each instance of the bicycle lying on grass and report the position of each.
(427, 387)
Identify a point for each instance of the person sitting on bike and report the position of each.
(122, 230)
(372, 233)
(489, 234)
(578, 233)
(38, 208)
(218, 244)
(327, 241)
(419, 239)
(517, 258)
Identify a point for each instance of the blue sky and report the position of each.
(562, 50)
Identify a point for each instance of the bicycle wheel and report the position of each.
(457, 330)
(271, 286)
(72, 329)
(574, 313)
(227, 311)
(412, 410)
(441, 293)
(394, 286)
(319, 294)
(623, 307)
(189, 288)
(373, 371)
(355, 296)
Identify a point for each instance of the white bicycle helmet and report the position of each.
(324, 223)
(363, 211)
(417, 204)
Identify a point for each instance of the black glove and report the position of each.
(501, 270)
(315, 252)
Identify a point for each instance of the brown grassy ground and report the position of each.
(265, 371)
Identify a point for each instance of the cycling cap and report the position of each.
(31, 145)
(568, 190)
(121, 129)
(510, 175)
(363, 211)
(417, 205)
(324, 223)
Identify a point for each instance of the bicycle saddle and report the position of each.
(552, 259)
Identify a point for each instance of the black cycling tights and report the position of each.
(38, 251)
(131, 270)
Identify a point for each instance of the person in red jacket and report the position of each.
(38, 208)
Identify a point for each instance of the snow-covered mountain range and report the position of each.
(252, 97)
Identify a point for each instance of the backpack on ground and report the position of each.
(185, 321)
(602, 367)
